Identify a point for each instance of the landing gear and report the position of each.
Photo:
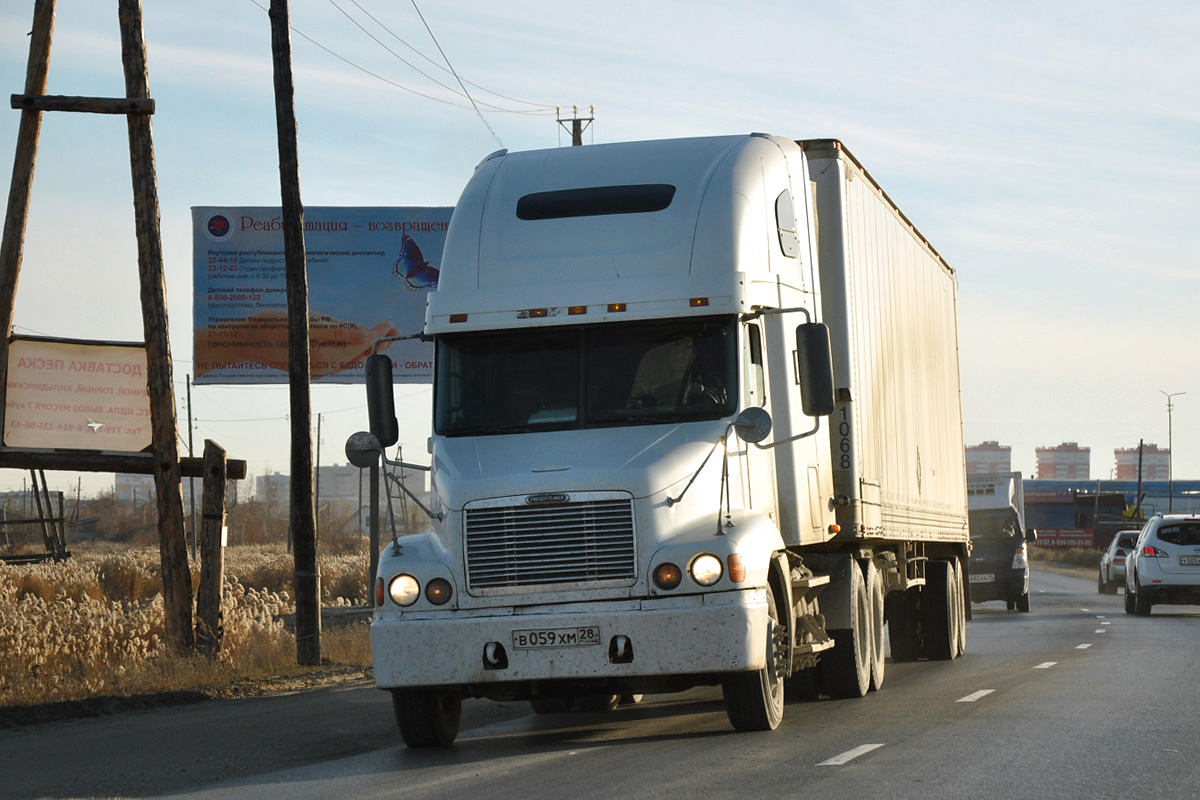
(754, 700)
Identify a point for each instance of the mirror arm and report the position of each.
(391, 477)
(764, 312)
(805, 435)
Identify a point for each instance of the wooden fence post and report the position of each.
(209, 628)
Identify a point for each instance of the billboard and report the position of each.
(368, 272)
(76, 395)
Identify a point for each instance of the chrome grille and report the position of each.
(511, 543)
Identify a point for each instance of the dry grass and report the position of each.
(1067, 556)
(93, 625)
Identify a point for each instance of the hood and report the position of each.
(642, 460)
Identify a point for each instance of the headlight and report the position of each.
(706, 569)
(437, 591)
(667, 576)
(404, 590)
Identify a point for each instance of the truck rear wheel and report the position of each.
(846, 669)
(754, 700)
(903, 633)
(427, 718)
(874, 581)
(960, 606)
(939, 618)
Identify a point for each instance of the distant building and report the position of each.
(1156, 463)
(134, 489)
(1066, 462)
(989, 457)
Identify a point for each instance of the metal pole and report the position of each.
(191, 480)
(1170, 452)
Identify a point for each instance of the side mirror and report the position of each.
(1030, 535)
(814, 365)
(752, 425)
(381, 403)
(363, 449)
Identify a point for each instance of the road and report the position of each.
(1074, 700)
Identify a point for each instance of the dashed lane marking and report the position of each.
(971, 698)
(1046, 665)
(849, 755)
(1083, 646)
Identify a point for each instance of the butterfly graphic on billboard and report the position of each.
(412, 268)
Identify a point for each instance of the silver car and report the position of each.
(1112, 563)
(1164, 566)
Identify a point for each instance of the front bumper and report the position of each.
(698, 634)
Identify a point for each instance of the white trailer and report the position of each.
(607, 319)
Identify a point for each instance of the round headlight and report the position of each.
(667, 576)
(437, 591)
(706, 569)
(404, 590)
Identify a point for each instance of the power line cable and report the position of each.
(391, 33)
(478, 113)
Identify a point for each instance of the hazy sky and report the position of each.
(1050, 151)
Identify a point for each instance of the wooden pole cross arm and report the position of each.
(89, 461)
(90, 105)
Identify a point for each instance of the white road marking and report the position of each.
(1046, 665)
(1101, 630)
(971, 698)
(1084, 646)
(1106, 623)
(849, 755)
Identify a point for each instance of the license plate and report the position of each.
(982, 577)
(537, 638)
(1189, 561)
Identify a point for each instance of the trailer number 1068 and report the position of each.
(584, 636)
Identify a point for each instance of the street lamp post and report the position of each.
(1170, 452)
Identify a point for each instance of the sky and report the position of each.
(1050, 152)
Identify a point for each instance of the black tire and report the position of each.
(1023, 603)
(903, 632)
(427, 718)
(1130, 605)
(552, 705)
(846, 669)
(598, 702)
(803, 686)
(960, 607)
(1101, 584)
(1141, 603)
(754, 700)
(938, 618)
(875, 593)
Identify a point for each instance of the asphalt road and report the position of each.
(1075, 699)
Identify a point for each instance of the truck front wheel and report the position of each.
(754, 700)
(427, 718)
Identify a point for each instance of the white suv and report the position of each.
(1164, 566)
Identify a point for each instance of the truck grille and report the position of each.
(511, 543)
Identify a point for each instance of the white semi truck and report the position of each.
(696, 421)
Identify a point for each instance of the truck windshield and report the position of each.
(636, 373)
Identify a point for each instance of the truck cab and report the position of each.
(999, 562)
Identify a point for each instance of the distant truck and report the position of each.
(696, 421)
(999, 564)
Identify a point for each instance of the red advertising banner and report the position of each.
(1065, 537)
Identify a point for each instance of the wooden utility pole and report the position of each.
(17, 215)
(177, 579)
(303, 517)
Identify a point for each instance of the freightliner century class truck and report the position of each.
(696, 421)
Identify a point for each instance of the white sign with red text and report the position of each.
(76, 395)
(368, 272)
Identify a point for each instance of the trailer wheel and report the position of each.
(846, 669)
(552, 705)
(938, 616)
(960, 605)
(754, 700)
(874, 581)
(427, 718)
(903, 632)
(598, 702)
